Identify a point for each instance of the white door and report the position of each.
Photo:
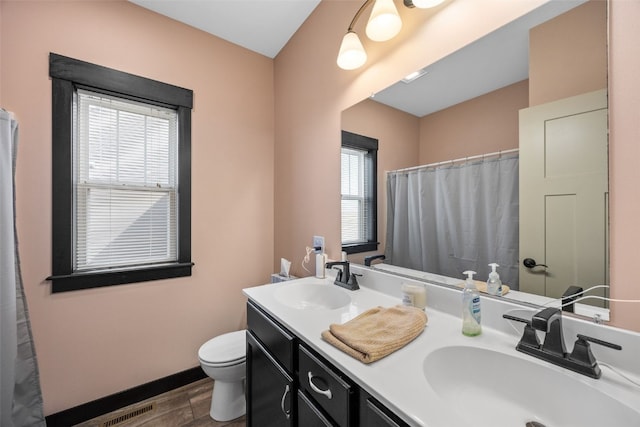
(564, 195)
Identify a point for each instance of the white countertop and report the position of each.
(398, 380)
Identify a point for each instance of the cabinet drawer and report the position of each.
(325, 387)
(276, 339)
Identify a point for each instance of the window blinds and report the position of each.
(125, 182)
(354, 220)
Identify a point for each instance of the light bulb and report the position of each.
(384, 22)
(352, 54)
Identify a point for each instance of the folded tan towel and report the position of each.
(377, 332)
(482, 287)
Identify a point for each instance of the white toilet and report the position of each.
(223, 358)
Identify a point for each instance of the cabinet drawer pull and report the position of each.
(326, 392)
(284, 397)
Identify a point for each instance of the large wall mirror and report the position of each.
(478, 101)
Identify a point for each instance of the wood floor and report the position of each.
(182, 407)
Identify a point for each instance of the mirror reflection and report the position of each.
(533, 91)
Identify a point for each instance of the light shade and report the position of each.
(352, 54)
(425, 4)
(384, 22)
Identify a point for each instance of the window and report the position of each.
(359, 158)
(121, 177)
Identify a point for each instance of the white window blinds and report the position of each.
(125, 183)
(353, 188)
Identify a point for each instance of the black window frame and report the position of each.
(67, 75)
(370, 146)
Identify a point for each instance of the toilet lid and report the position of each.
(225, 348)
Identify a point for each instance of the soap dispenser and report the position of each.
(471, 307)
(494, 284)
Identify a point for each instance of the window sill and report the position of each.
(356, 248)
(97, 279)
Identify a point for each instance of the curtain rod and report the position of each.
(462, 159)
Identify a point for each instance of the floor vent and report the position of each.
(129, 415)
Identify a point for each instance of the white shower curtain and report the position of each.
(20, 394)
(450, 219)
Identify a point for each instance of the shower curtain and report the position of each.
(449, 219)
(20, 394)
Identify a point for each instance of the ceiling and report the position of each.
(265, 27)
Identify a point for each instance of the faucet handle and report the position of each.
(529, 336)
(582, 354)
(599, 342)
(517, 319)
(353, 280)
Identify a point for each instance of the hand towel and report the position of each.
(377, 332)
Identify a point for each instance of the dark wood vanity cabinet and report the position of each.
(289, 384)
(271, 386)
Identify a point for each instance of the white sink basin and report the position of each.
(312, 296)
(490, 388)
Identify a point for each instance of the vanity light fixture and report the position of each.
(352, 54)
(384, 24)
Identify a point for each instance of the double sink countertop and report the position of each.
(399, 380)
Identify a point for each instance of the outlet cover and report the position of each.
(318, 241)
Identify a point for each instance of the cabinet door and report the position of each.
(374, 414)
(309, 415)
(270, 391)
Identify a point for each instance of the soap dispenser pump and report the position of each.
(494, 284)
(471, 315)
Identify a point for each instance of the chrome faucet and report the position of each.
(552, 350)
(344, 278)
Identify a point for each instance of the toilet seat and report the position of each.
(224, 350)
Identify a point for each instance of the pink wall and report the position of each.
(312, 91)
(624, 152)
(398, 135)
(97, 342)
(568, 54)
(485, 124)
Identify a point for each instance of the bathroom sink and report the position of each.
(312, 296)
(490, 388)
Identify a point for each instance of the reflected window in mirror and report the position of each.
(359, 164)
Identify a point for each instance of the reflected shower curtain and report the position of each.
(20, 394)
(450, 219)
